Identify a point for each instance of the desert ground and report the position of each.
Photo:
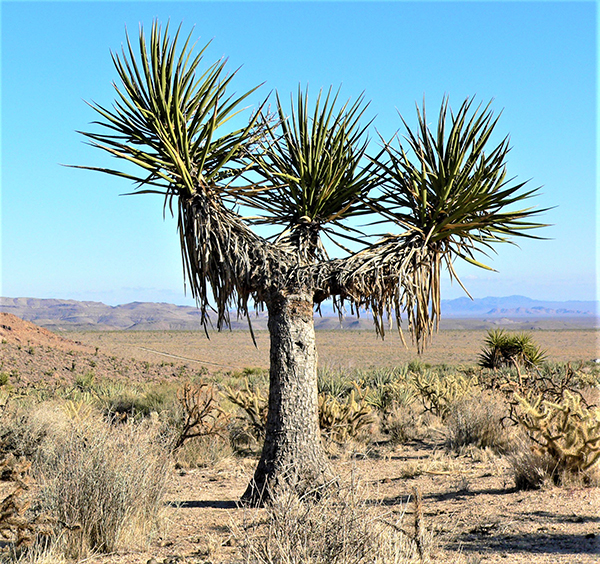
(234, 350)
(472, 512)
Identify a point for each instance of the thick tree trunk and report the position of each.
(292, 451)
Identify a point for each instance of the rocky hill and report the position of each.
(72, 315)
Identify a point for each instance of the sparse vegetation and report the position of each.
(478, 421)
(201, 414)
(335, 526)
(100, 486)
(439, 391)
(447, 428)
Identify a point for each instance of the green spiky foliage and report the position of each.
(568, 431)
(451, 193)
(170, 118)
(312, 163)
(507, 349)
(165, 118)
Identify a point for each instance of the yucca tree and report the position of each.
(310, 173)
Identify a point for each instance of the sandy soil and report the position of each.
(470, 503)
(344, 349)
(472, 509)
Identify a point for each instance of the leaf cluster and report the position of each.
(166, 117)
(313, 166)
(306, 172)
(506, 349)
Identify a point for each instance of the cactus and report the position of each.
(566, 430)
(343, 419)
(17, 525)
(253, 403)
(439, 392)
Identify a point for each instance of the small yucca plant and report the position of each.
(506, 349)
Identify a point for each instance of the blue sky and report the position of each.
(67, 233)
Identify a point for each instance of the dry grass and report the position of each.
(345, 350)
(105, 484)
(102, 485)
(478, 421)
(337, 525)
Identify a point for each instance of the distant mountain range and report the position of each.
(65, 315)
(517, 306)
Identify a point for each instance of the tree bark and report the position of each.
(292, 451)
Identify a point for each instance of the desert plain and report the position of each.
(471, 510)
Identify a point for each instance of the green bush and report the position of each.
(336, 383)
(506, 349)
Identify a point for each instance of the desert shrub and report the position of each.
(506, 349)
(25, 426)
(257, 378)
(47, 552)
(343, 419)
(531, 467)
(4, 378)
(105, 484)
(254, 406)
(566, 431)
(550, 380)
(336, 526)
(85, 381)
(391, 396)
(405, 423)
(417, 366)
(121, 401)
(478, 421)
(438, 391)
(199, 414)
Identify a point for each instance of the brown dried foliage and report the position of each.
(202, 414)
(17, 526)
